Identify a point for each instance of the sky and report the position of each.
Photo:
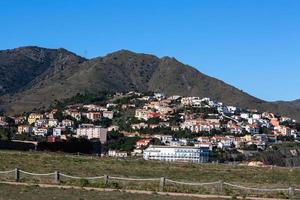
(253, 45)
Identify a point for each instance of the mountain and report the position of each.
(57, 74)
(20, 66)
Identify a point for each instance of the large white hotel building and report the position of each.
(177, 153)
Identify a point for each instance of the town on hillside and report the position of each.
(153, 127)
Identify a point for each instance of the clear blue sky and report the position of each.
(251, 44)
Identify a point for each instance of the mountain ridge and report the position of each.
(62, 74)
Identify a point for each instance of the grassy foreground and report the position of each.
(94, 166)
(36, 193)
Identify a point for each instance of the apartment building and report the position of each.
(177, 153)
(92, 132)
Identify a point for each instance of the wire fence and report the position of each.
(162, 181)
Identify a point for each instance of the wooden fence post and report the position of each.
(162, 183)
(17, 175)
(221, 185)
(291, 192)
(56, 177)
(105, 179)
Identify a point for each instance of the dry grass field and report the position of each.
(86, 166)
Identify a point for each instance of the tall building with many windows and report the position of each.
(92, 132)
(178, 154)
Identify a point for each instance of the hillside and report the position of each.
(18, 67)
(57, 74)
(286, 155)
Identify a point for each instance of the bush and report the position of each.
(84, 183)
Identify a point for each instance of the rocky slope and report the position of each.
(34, 77)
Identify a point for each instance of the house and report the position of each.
(164, 124)
(245, 115)
(164, 138)
(108, 114)
(67, 123)
(92, 132)
(125, 106)
(152, 126)
(19, 120)
(247, 138)
(175, 128)
(24, 129)
(93, 107)
(176, 143)
(283, 130)
(204, 145)
(225, 142)
(41, 122)
(166, 110)
(252, 129)
(94, 116)
(285, 119)
(152, 115)
(111, 105)
(3, 124)
(256, 116)
(268, 115)
(260, 137)
(139, 126)
(142, 143)
(119, 154)
(232, 109)
(73, 113)
(159, 96)
(141, 114)
(2, 119)
(33, 117)
(200, 125)
(40, 131)
(275, 122)
(253, 121)
(137, 152)
(52, 139)
(58, 131)
(52, 113)
(52, 122)
(113, 128)
(235, 129)
(174, 97)
(192, 101)
(203, 139)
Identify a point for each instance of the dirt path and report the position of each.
(200, 196)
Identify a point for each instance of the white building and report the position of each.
(92, 132)
(119, 154)
(24, 129)
(191, 101)
(67, 123)
(52, 122)
(252, 128)
(256, 116)
(199, 125)
(108, 114)
(179, 153)
(58, 131)
(40, 131)
(94, 116)
(245, 115)
(164, 138)
(41, 122)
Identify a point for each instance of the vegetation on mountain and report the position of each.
(33, 77)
